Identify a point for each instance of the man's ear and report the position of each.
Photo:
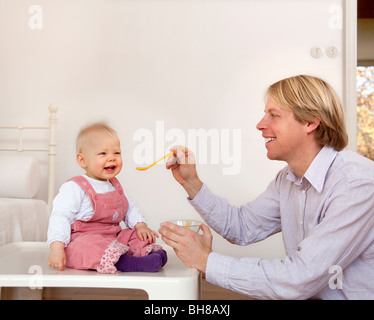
(312, 126)
(81, 161)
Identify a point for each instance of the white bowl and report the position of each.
(188, 224)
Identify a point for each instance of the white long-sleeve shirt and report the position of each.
(72, 203)
(327, 223)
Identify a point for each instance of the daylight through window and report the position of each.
(365, 111)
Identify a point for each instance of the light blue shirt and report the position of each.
(327, 224)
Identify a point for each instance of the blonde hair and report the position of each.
(309, 98)
(87, 133)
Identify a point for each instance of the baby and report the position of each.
(84, 230)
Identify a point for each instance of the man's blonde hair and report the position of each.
(309, 98)
(87, 133)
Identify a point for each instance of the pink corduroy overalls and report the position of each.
(99, 242)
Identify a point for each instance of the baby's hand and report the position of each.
(145, 233)
(57, 256)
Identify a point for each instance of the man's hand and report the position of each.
(192, 248)
(183, 167)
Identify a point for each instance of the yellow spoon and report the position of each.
(164, 157)
(145, 168)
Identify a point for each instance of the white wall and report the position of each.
(187, 64)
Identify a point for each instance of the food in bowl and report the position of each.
(188, 224)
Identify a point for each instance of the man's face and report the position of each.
(284, 135)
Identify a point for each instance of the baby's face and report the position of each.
(101, 157)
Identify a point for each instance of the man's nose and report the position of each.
(261, 125)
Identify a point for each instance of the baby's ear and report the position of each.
(81, 161)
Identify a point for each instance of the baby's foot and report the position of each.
(149, 263)
(163, 255)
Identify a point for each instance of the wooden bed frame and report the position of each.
(51, 149)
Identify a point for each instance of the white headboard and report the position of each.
(51, 149)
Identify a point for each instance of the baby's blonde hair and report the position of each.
(309, 98)
(87, 133)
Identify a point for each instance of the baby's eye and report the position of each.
(102, 154)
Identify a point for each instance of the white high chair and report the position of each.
(24, 266)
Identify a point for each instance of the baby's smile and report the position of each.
(110, 169)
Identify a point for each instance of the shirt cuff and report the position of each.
(198, 195)
(50, 241)
(203, 202)
(218, 269)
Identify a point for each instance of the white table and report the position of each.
(25, 264)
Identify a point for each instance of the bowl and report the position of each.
(188, 224)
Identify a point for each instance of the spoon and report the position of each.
(164, 157)
(145, 168)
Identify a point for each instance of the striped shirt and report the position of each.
(327, 223)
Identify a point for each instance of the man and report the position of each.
(322, 201)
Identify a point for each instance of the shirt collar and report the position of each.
(317, 171)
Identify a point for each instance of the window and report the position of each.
(365, 111)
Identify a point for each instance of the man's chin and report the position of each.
(273, 156)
